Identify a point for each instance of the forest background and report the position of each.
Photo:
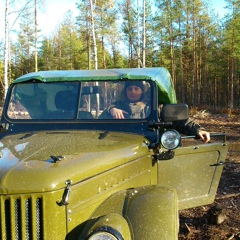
(200, 49)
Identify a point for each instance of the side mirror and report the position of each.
(174, 112)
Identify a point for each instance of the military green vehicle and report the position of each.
(69, 170)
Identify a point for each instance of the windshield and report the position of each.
(80, 100)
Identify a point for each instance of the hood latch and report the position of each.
(66, 193)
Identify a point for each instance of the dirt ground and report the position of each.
(195, 223)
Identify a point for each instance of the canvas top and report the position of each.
(160, 75)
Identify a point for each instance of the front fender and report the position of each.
(144, 213)
(153, 213)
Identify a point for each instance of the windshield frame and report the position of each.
(75, 118)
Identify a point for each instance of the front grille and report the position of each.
(21, 218)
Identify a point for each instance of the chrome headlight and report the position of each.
(105, 233)
(170, 139)
(102, 236)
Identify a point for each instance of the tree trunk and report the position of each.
(104, 66)
(36, 32)
(232, 72)
(144, 36)
(6, 50)
(88, 38)
(94, 37)
(171, 39)
(94, 52)
(138, 30)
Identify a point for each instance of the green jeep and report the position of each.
(69, 170)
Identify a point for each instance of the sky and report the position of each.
(218, 6)
(55, 9)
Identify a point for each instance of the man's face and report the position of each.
(134, 93)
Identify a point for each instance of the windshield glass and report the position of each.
(80, 100)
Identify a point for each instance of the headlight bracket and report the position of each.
(165, 155)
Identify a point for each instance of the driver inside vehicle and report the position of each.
(134, 104)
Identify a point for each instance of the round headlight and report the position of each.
(102, 236)
(105, 233)
(170, 139)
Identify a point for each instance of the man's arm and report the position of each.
(190, 127)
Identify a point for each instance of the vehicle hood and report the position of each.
(27, 160)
